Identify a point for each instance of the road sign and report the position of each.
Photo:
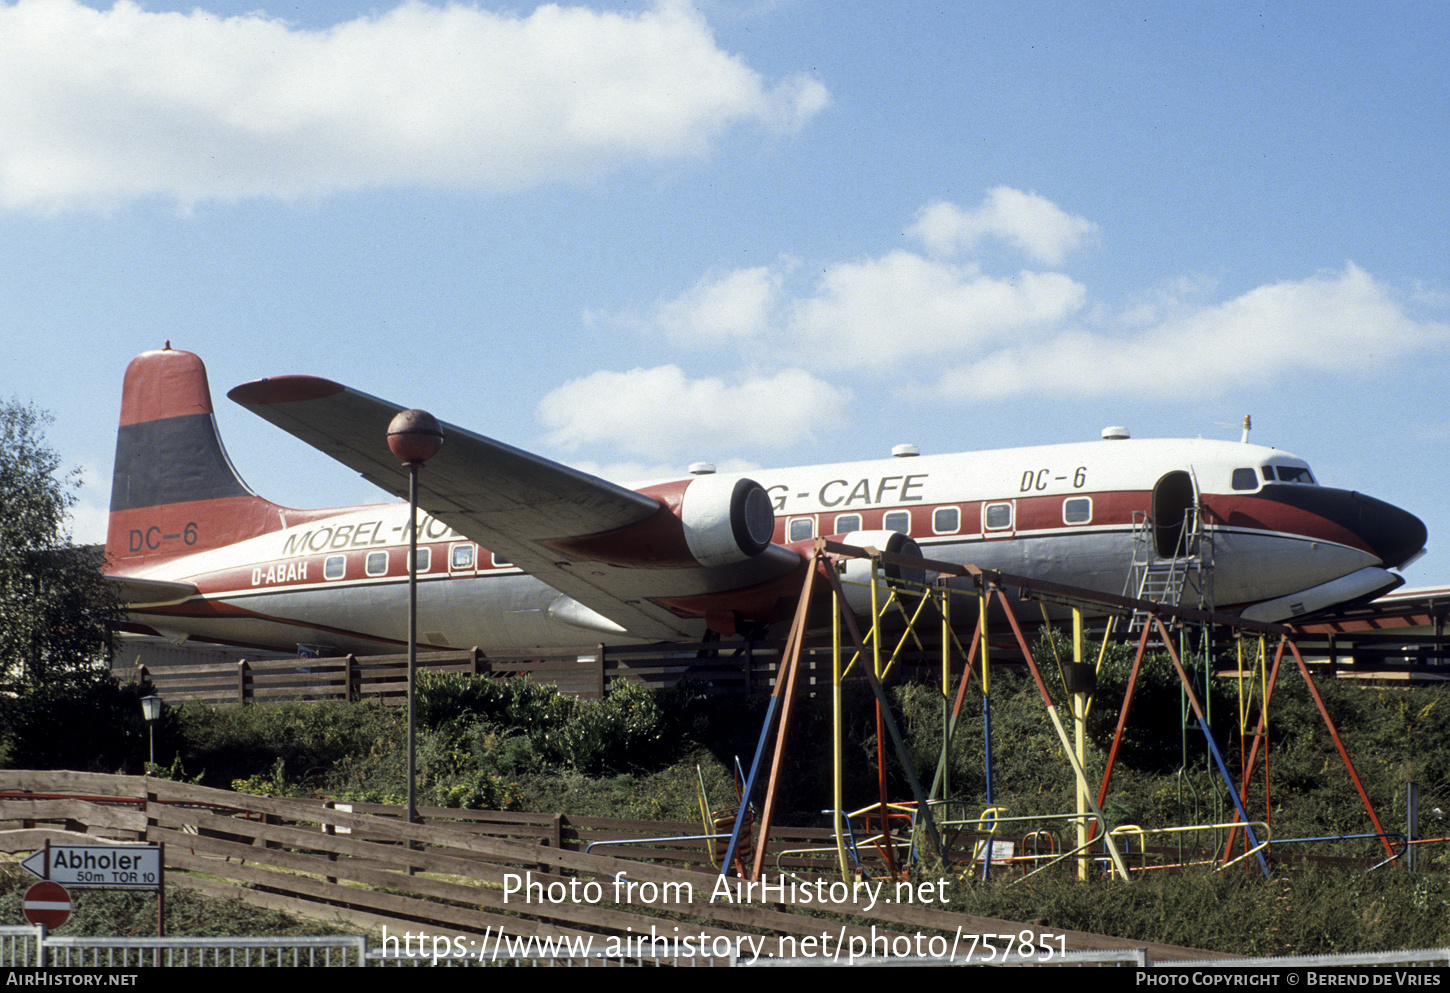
(47, 903)
(99, 867)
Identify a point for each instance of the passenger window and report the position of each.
(424, 560)
(334, 567)
(1245, 479)
(847, 523)
(802, 528)
(998, 516)
(499, 562)
(946, 520)
(898, 520)
(1078, 510)
(462, 557)
(377, 564)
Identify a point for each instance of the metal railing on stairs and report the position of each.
(1165, 579)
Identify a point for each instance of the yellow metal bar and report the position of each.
(946, 647)
(986, 670)
(893, 599)
(1062, 735)
(875, 619)
(1079, 708)
(880, 703)
(1102, 657)
(888, 723)
(837, 759)
(946, 691)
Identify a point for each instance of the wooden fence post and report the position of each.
(329, 829)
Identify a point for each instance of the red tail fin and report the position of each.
(175, 491)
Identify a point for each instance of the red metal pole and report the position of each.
(1333, 733)
(1123, 716)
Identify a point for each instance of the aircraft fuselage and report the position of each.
(1059, 512)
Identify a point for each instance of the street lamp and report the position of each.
(151, 710)
(414, 437)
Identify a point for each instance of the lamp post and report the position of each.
(414, 437)
(151, 710)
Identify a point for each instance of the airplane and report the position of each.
(517, 552)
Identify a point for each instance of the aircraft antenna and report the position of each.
(1247, 424)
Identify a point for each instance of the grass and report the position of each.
(635, 755)
(1298, 912)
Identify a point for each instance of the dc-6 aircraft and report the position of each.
(516, 551)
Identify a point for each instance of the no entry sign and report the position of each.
(47, 903)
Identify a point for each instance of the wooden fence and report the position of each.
(733, 669)
(470, 869)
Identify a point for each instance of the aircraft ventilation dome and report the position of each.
(1115, 432)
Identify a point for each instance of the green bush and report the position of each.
(309, 739)
(622, 732)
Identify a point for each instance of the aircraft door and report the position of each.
(1174, 495)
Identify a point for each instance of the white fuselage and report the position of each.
(1065, 513)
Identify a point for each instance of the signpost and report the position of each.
(98, 867)
(91, 867)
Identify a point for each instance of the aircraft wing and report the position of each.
(527, 509)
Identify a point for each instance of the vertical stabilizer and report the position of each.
(174, 491)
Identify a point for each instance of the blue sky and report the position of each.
(632, 236)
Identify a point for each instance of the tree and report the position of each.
(57, 614)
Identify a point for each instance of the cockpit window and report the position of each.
(1246, 479)
(1295, 474)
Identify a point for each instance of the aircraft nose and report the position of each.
(1392, 535)
(1395, 535)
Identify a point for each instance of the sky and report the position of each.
(632, 236)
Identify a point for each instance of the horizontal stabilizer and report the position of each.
(140, 592)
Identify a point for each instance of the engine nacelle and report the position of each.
(726, 520)
(856, 572)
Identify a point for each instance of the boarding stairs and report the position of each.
(1184, 578)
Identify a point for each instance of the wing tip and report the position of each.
(284, 389)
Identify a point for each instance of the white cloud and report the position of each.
(737, 305)
(1030, 222)
(101, 107)
(660, 412)
(902, 306)
(1429, 296)
(1333, 322)
(948, 330)
(637, 474)
(90, 515)
(881, 312)
(1173, 297)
